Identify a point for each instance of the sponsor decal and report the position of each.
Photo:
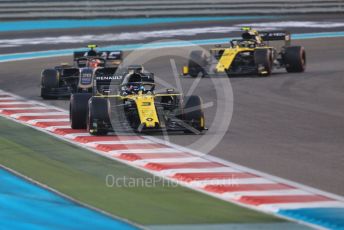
(113, 77)
(86, 77)
(146, 103)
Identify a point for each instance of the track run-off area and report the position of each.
(286, 125)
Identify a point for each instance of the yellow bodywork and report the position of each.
(92, 46)
(146, 109)
(229, 54)
(228, 57)
(145, 106)
(185, 70)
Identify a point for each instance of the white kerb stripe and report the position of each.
(171, 160)
(96, 143)
(230, 181)
(284, 192)
(26, 108)
(75, 135)
(172, 172)
(154, 150)
(14, 102)
(9, 98)
(17, 115)
(32, 122)
(52, 128)
(315, 204)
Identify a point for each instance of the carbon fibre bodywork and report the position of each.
(63, 80)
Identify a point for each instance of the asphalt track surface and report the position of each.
(156, 27)
(288, 125)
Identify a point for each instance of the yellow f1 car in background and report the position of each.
(250, 55)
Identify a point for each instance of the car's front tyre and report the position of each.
(98, 117)
(78, 108)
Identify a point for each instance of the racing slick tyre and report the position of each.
(295, 59)
(99, 113)
(196, 63)
(193, 113)
(263, 61)
(78, 108)
(49, 80)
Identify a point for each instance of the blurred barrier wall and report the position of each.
(53, 9)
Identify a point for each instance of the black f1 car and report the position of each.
(64, 79)
(250, 55)
(127, 101)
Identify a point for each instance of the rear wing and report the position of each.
(107, 55)
(276, 36)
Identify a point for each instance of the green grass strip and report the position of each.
(81, 175)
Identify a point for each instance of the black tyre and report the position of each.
(98, 110)
(196, 64)
(49, 80)
(78, 110)
(295, 59)
(45, 94)
(263, 61)
(193, 113)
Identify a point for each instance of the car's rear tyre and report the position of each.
(193, 113)
(98, 111)
(49, 80)
(263, 61)
(196, 64)
(295, 59)
(78, 110)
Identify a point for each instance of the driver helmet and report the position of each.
(133, 83)
(94, 63)
(92, 53)
(248, 35)
(251, 35)
(134, 88)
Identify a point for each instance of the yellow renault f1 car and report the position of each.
(127, 101)
(251, 54)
